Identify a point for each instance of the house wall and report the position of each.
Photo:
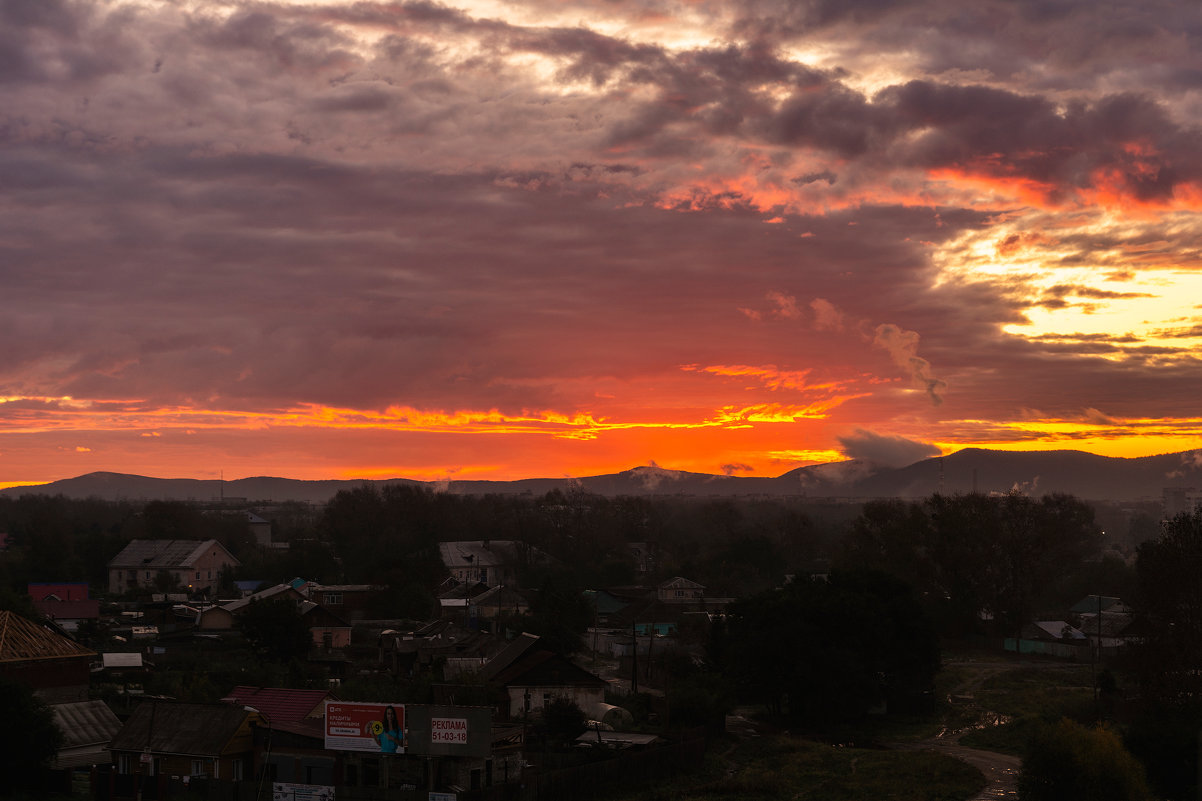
(681, 595)
(214, 767)
(203, 573)
(589, 699)
(216, 618)
(477, 773)
(340, 636)
(54, 680)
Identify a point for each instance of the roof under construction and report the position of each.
(23, 640)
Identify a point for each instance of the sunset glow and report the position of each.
(498, 240)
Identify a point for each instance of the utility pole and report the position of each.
(634, 655)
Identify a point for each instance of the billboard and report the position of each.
(449, 730)
(355, 726)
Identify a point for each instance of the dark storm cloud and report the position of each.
(259, 205)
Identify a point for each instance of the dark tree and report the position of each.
(973, 554)
(29, 739)
(559, 613)
(563, 720)
(820, 652)
(275, 629)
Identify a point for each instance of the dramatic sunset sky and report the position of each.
(490, 239)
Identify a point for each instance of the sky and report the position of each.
(497, 240)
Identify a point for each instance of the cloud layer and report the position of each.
(532, 238)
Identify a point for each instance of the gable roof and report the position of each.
(87, 728)
(680, 583)
(546, 669)
(174, 728)
(280, 705)
(22, 640)
(279, 592)
(1095, 603)
(85, 723)
(514, 651)
(165, 554)
(478, 553)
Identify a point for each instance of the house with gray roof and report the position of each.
(489, 562)
(197, 740)
(195, 565)
(87, 728)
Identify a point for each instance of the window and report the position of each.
(484, 575)
(125, 764)
(237, 768)
(546, 700)
(198, 767)
(198, 574)
(333, 599)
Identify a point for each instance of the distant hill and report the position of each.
(1077, 473)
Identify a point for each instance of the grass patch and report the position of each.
(791, 767)
(1030, 696)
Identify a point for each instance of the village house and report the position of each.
(87, 727)
(223, 617)
(478, 606)
(529, 677)
(165, 741)
(193, 565)
(491, 562)
(348, 601)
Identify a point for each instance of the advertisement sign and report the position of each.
(448, 730)
(354, 726)
(284, 791)
(458, 731)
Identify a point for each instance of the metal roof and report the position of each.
(281, 705)
(174, 728)
(164, 554)
(87, 728)
(86, 723)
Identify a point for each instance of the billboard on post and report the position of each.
(355, 726)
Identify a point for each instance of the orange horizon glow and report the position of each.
(736, 440)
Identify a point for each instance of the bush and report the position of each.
(1070, 762)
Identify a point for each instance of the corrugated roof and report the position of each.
(22, 640)
(174, 728)
(512, 653)
(281, 705)
(85, 723)
(87, 728)
(164, 554)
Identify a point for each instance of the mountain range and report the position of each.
(1084, 475)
